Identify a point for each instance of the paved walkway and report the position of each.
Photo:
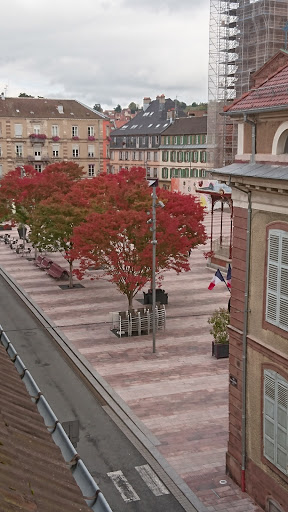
(181, 392)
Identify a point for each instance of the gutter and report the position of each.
(254, 111)
(253, 124)
(244, 339)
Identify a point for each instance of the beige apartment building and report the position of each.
(40, 131)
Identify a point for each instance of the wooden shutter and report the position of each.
(269, 415)
(18, 130)
(272, 276)
(283, 306)
(276, 420)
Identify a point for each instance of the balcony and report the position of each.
(38, 158)
(37, 138)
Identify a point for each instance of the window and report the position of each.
(187, 156)
(203, 156)
(121, 155)
(137, 142)
(164, 156)
(18, 130)
(180, 156)
(150, 142)
(143, 140)
(37, 151)
(148, 156)
(74, 131)
(91, 170)
(155, 173)
(156, 156)
(0, 129)
(157, 139)
(185, 173)
(173, 156)
(167, 139)
(195, 156)
(1, 171)
(175, 140)
(181, 139)
(38, 167)
(91, 131)
(36, 128)
(140, 155)
(165, 173)
(197, 139)
(126, 155)
(75, 151)
(134, 155)
(277, 279)
(111, 155)
(275, 420)
(19, 150)
(55, 150)
(91, 151)
(55, 130)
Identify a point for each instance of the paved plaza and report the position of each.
(181, 392)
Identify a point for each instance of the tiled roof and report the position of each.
(187, 126)
(42, 108)
(267, 171)
(151, 121)
(269, 95)
(34, 475)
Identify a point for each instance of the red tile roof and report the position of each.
(34, 475)
(272, 93)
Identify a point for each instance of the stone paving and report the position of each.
(181, 392)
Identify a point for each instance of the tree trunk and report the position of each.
(130, 300)
(70, 274)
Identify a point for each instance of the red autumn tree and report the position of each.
(116, 234)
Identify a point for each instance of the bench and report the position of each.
(57, 272)
(38, 260)
(45, 263)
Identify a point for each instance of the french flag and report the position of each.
(228, 277)
(216, 279)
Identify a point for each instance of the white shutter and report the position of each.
(275, 422)
(282, 425)
(273, 277)
(18, 130)
(283, 306)
(269, 415)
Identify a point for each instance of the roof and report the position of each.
(43, 108)
(271, 94)
(273, 172)
(187, 126)
(153, 120)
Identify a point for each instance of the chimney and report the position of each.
(2, 96)
(171, 115)
(146, 103)
(162, 98)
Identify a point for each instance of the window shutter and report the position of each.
(283, 309)
(282, 425)
(18, 130)
(269, 415)
(273, 277)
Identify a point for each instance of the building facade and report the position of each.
(39, 131)
(257, 456)
(137, 142)
(183, 155)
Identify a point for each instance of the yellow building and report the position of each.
(40, 131)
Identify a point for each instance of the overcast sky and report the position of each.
(105, 51)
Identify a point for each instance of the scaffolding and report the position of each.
(243, 35)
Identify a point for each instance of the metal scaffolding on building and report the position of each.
(243, 35)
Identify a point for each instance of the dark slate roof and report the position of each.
(267, 171)
(34, 475)
(43, 108)
(151, 121)
(187, 126)
(273, 93)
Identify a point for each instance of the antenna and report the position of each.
(176, 107)
(5, 90)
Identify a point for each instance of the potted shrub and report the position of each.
(219, 322)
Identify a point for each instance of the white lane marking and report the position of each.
(151, 480)
(121, 483)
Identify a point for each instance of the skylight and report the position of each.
(149, 125)
(124, 127)
(157, 125)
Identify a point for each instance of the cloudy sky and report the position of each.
(105, 51)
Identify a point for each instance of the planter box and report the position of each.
(7, 228)
(220, 350)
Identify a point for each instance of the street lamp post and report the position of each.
(154, 243)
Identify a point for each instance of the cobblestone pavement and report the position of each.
(181, 392)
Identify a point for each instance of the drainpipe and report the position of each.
(244, 337)
(253, 124)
